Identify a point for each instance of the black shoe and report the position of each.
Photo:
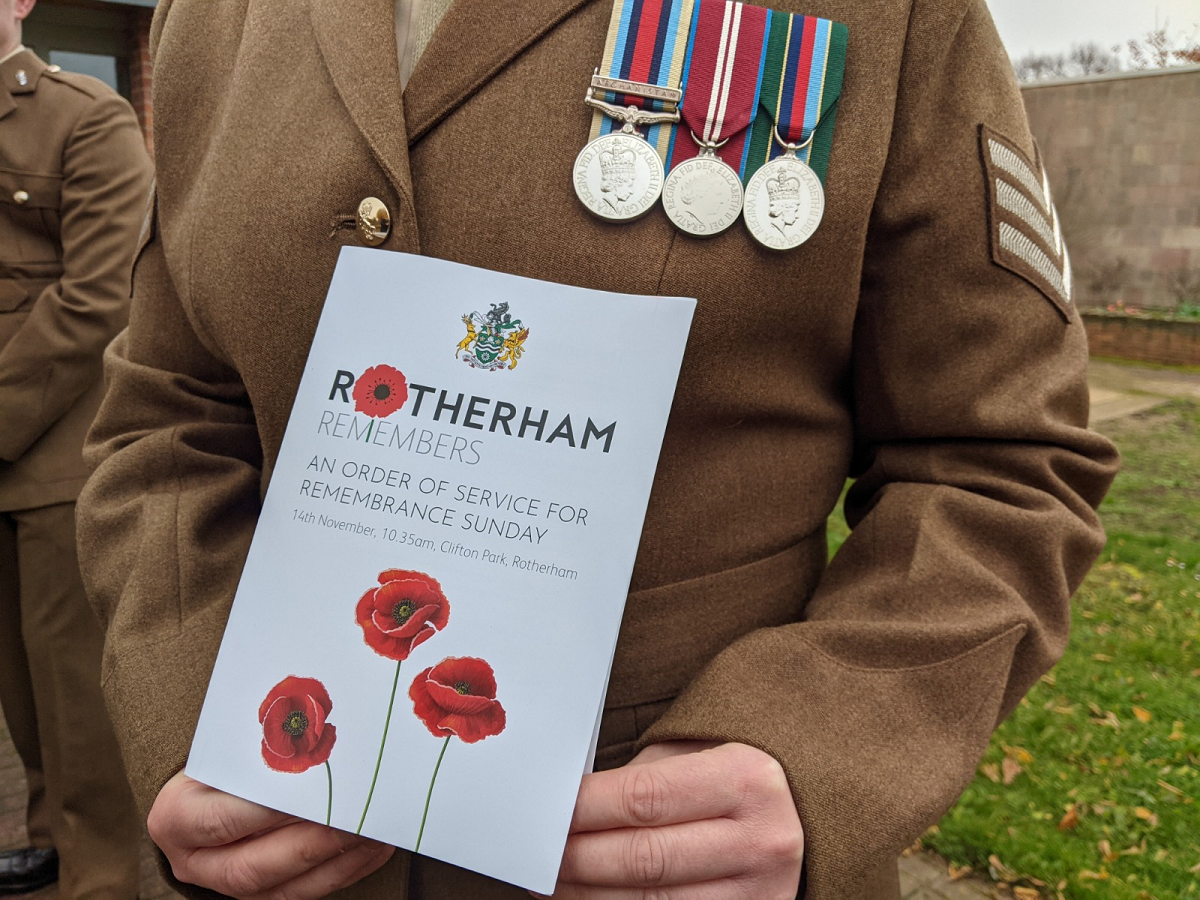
(27, 869)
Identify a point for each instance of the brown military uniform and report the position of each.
(74, 176)
(897, 346)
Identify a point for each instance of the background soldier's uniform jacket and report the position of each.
(74, 180)
(890, 347)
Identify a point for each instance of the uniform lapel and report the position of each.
(357, 39)
(473, 42)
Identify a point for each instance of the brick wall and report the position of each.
(1121, 153)
(141, 75)
(1148, 340)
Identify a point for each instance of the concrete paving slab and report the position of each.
(1143, 380)
(924, 876)
(1123, 405)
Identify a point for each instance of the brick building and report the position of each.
(1121, 153)
(105, 38)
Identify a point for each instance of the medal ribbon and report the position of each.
(806, 59)
(647, 42)
(721, 84)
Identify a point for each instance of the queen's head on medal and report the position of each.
(784, 197)
(617, 172)
(704, 197)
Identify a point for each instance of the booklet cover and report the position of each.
(419, 645)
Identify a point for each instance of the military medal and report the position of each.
(784, 201)
(703, 195)
(703, 192)
(789, 147)
(618, 176)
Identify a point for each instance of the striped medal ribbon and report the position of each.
(703, 191)
(789, 147)
(619, 175)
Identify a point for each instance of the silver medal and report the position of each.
(619, 176)
(703, 195)
(784, 201)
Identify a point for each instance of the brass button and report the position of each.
(374, 221)
(21, 196)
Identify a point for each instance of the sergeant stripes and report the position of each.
(1027, 236)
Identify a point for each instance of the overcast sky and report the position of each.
(1053, 26)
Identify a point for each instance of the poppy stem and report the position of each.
(370, 425)
(386, 724)
(329, 796)
(424, 815)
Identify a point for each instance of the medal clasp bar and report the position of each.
(636, 88)
(631, 117)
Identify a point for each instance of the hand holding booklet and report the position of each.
(419, 647)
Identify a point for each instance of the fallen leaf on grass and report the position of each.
(1142, 715)
(1011, 769)
(1176, 732)
(1106, 852)
(1020, 754)
(1102, 657)
(990, 771)
(957, 873)
(1089, 875)
(1195, 870)
(999, 871)
(1026, 893)
(1070, 820)
(1142, 813)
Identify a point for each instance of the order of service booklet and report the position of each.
(420, 643)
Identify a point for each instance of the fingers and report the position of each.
(241, 849)
(268, 860)
(334, 874)
(652, 857)
(187, 814)
(668, 791)
(717, 823)
(712, 890)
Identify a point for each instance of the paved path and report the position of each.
(1119, 390)
(1116, 391)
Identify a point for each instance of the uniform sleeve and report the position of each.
(972, 510)
(165, 521)
(55, 356)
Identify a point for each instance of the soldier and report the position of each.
(74, 176)
(922, 341)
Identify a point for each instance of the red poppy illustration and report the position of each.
(296, 733)
(457, 697)
(406, 610)
(380, 391)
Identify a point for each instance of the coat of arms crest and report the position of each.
(493, 341)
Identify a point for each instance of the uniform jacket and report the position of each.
(891, 347)
(74, 177)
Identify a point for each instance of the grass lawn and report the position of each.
(1091, 789)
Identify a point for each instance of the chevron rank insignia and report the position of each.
(1026, 237)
